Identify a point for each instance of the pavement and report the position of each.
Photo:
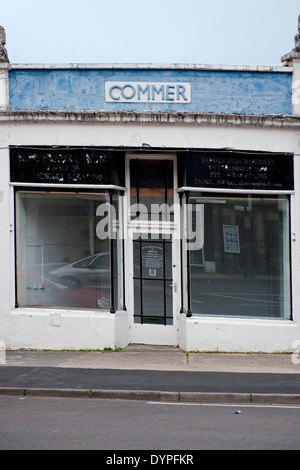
(153, 373)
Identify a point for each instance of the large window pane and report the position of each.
(241, 265)
(60, 260)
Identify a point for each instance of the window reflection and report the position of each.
(151, 189)
(242, 266)
(60, 260)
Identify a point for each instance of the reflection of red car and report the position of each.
(53, 292)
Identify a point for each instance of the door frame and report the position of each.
(152, 333)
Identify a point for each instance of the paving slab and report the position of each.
(141, 357)
(148, 372)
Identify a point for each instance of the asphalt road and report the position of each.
(35, 423)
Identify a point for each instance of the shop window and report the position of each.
(61, 259)
(239, 263)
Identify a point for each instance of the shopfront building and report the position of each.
(150, 204)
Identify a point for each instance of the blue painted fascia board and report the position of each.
(212, 91)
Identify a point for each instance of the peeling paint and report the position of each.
(212, 91)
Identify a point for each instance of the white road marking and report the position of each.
(237, 405)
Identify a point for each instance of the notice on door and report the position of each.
(152, 260)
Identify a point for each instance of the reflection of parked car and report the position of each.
(54, 292)
(93, 271)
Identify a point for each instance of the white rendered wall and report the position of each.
(296, 87)
(236, 334)
(66, 329)
(3, 86)
(6, 247)
(273, 139)
(63, 329)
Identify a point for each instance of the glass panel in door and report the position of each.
(151, 188)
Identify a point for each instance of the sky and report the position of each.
(228, 32)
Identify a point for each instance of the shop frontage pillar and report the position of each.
(292, 59)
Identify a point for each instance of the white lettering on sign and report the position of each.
(147, 92)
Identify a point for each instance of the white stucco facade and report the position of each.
(162, 132)
(59, 329)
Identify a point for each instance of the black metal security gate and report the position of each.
(153, 281)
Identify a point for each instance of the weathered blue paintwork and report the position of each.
(215, 91)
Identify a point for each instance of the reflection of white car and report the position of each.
(93, 271)
(56, 293)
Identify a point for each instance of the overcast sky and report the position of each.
(230, 32)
